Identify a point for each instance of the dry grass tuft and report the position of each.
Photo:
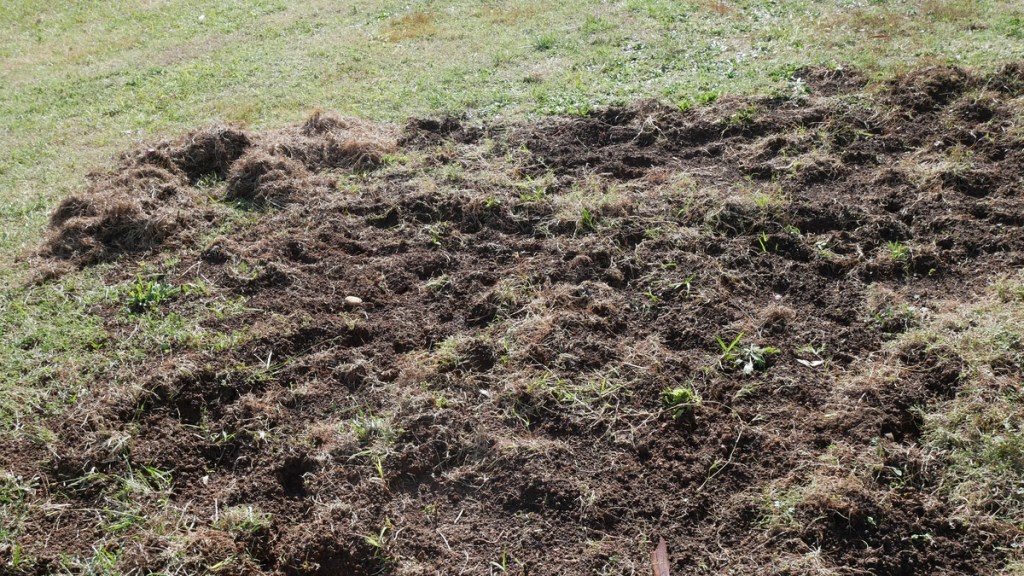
(210, 151)
(135, 211)
(327, 141)
(260, 178)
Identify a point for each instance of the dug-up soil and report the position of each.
(529, 291)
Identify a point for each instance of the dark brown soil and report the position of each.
(528, 293)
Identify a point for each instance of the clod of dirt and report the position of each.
(1010, 78)
(210, 152)
(929, 89)
(157, 196)
(261, 178)
(327, 142)
(425, 132)
(831, 81)
(320, 122)
(135, 211)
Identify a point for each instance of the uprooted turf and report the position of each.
(533, 381)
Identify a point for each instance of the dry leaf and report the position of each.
(659, 559)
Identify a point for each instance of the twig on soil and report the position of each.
(446, 545)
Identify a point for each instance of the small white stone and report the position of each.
(353, 301)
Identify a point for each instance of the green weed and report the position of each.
(680, 400)
(748, 358)
(898, 251)
(545, 42)
(144, 295)
(379, 540)
(587, 221)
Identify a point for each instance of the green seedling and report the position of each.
(437, 233)
(762, 200)
(680, 400)
(749, 358)
(652, 298)
(898, 251)
(536, 194)
(368, 427)
(379, 541)
(145, 295)
(587, 222)
(502, 563)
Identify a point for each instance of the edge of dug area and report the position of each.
(778, 333)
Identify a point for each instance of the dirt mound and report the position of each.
(513, 353)
(259, 177)
(327, 142)
(159, 196)
(932, 88)
(133, 210)
(209, 152)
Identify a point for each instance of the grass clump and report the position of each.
(47, 335)
(898, 251)
(243, 520)
(979, 433)
(376, 436)
(545, 42)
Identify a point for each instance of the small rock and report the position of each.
(353, 301)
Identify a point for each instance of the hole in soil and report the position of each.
(938, 369)
(903, 426)
(292, 475)
(318, 554)
(973, 183)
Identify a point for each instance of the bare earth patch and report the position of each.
(533, 380)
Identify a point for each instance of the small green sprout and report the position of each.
(898, 251)
(379, 541)
(680, 400)
(588, 221)
(750, 358)
(145, 295)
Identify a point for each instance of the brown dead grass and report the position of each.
(260, 178)
(411, 27)
(134, 211)
(327, 141)
(156, 196)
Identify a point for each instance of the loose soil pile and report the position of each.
(529, 292)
